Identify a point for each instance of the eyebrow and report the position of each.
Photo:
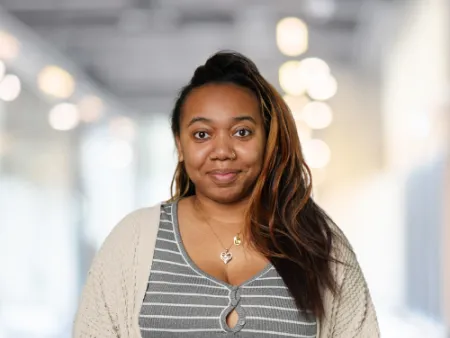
(235, 119)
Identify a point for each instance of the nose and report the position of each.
(222, 148)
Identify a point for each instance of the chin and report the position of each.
(226, 197)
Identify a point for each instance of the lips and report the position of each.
(223, 176)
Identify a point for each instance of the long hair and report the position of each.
(282, 220)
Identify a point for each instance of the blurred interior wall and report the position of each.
(446, 240)
(375, 209)
(415, 80)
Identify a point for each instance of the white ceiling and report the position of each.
(142, 49)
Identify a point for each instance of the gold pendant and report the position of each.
(237, 240)
(226, 256)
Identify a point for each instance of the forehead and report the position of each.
(221, 102)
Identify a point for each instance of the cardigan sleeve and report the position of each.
(93, 318)
(355, 315)
(103, 300)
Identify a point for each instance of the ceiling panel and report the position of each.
(45, 5)
(139, 47)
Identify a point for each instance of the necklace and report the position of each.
(226, 256)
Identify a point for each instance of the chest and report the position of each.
(181, 301)
(217, 256)
(241, 264)
(196, 295)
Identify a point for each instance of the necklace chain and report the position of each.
(226, 255)
(218, 238)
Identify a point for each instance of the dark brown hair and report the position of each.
(283, 221)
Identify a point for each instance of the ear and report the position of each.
(179, 149)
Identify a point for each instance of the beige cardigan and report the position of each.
(112, 297)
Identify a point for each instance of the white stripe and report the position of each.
(180, 305)
(171, 231)
(279, 333)
(183, 253)
(265, 273)
(178, 317)
(171, 251)
(169, 262)
(266, 287)
(175, 274)
(265, 296)
(213, 281)
(166, 240)
(270, 307)
(183, 294)
(266, 278)
(166, 221)
(193, 284)
(281, 320)
(182, 330)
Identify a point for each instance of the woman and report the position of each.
(241, 249)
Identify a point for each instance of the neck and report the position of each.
(232, 214)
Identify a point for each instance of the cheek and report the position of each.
(252, 155)
(258, 158)
(195, 156)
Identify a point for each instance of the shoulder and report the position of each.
(350, 312)
(133, 221)
(118, 274)
(128, 232)
(344, 261)
(341, 250)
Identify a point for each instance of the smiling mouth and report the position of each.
(224, 176)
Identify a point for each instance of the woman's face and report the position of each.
(222, 141)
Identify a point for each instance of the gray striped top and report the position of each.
(183, 301)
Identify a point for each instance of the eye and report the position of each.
(201, 135)
(243, 132)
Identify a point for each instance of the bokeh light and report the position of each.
(304, 132)
(292, 36)
(9, 46)
(10, 88)
(317, 115)
(313, 68)
(57, 82)
(322, 88)
(317, 153)
(291, 79)
(91, 108)
(64, 116)
(122, 127)
(296, 104)
(2, 70)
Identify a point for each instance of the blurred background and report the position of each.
(86, 90)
